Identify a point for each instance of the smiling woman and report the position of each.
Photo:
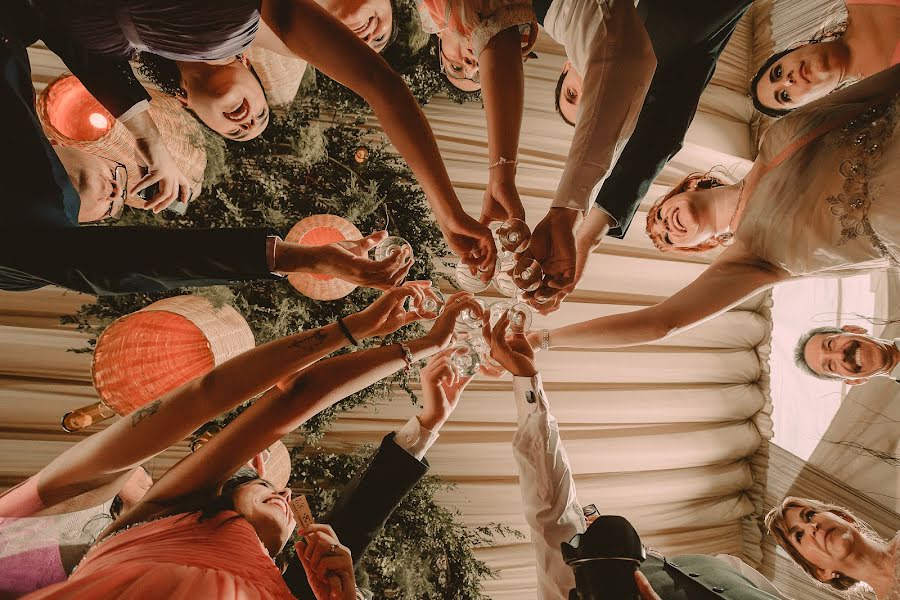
(836, 548)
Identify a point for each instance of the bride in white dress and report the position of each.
(836, 548)
(822, 199)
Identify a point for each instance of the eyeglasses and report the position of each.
(459, 76)
(117, 204)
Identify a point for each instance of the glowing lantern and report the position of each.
(99, 121)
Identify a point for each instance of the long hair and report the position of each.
(694, 181)
(828, 34)
(775, 523)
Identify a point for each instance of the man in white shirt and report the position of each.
(554, 514)
(605, 41)
(847, 353)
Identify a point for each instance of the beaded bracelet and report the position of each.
(503, 161)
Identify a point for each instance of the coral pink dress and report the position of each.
(177, 558)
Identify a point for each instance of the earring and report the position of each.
(836, 576)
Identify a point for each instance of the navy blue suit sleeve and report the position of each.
(686, 66)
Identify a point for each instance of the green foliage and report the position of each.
(423, 552)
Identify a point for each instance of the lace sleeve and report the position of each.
(506, 16)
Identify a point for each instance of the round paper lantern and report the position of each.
(146, 354)
(318, 230)
(72, 117)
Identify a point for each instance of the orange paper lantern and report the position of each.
(142, 356)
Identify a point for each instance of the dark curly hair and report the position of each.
(826, 35)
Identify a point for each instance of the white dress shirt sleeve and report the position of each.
(548, 489)
(617, 63)
(134, 110)
(415, 439)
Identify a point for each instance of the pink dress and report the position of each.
(177, 558)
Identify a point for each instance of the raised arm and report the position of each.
(732, 278)
(285, 407)
(618, 66)
(313, 34)
(503, 91)
(105, 456)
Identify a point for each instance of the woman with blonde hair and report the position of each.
(820, 200)
(836, 548)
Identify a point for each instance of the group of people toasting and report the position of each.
(820, 200)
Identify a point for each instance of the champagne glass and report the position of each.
(391, 245)
(527, 274)
(498, 309)
(506, 285)
(429, 307)
(469, 318)
(514, 235)
(465, 358)
(520, 316)
(507, 259)
(489, 366)
(469, 282)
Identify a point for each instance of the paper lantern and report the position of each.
(318, 230)
(72, 117)
(142, 356)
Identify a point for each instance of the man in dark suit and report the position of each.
(42, 244)
(687, 37)
(368, 500)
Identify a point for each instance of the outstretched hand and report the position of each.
(388, 313)
(501, 203)
(328, 564)
(553, 246)
(442, 387)
(514, 353)
(473, 243)
(442, 331)
(349, 260)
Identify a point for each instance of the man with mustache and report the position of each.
(847, 353)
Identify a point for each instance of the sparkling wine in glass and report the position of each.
(469, 318)
(527, 274)
(506, 285)
(391, 245)
(429, 307)
(465, 359)
(469, 282)
(498, 309)
(514, 235)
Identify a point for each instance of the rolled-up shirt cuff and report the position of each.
(271, 242)
(530, 395)
(415, 439)
(134, 110)
(579, 199)
(615, 221)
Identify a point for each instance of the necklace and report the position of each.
(728, 235)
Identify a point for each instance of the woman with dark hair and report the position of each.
(94, 470)
(199, 531)
(820, 200)
(836, 548)
(867, 43)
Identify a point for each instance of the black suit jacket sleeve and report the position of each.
(681, 76)
(110, 260)
(365, 504)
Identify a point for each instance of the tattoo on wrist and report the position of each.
(313, 339)
(144, 412)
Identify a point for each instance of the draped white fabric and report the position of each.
(672, 435)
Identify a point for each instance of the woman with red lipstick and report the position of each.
(836, 548)
(867, 43)
(207, 529)
(819, 201)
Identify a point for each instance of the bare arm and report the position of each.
(311, 33)
(503, 90)
(735, 276)
(96, 463)
(283, 409)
